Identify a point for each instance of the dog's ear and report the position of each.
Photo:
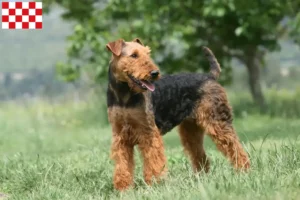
(138, 41)
(116, 47)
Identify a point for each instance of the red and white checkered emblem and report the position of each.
(22, 15)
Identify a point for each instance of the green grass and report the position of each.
(61, 152)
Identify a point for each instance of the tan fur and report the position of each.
(139, 68)
(215, 68)
(191, 136)
(136, 125)
(215, 116)
(133, 127)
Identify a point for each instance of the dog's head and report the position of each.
(131, 63)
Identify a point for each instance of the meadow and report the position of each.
(53, 150)
(61, 151)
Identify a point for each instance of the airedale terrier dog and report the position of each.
(143, 106)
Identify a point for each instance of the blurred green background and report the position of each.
(257, 44)
(53, 119)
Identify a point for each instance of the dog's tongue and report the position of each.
(148, 85)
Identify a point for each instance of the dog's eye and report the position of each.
(134, 55)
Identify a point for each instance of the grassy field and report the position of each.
(61, 152)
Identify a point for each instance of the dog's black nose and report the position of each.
(154, 73)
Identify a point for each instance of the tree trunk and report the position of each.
(253, 64)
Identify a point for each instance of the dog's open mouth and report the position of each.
(144, 84)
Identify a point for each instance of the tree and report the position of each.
(175, 30)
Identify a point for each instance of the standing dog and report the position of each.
(142, 107)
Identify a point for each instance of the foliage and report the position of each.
(176, 30)
(295, 28)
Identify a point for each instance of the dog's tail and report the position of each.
(215, 68)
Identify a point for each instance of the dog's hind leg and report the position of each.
(214, 114)
(191, 136)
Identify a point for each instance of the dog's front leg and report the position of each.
(152, 150)
(122, 154)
